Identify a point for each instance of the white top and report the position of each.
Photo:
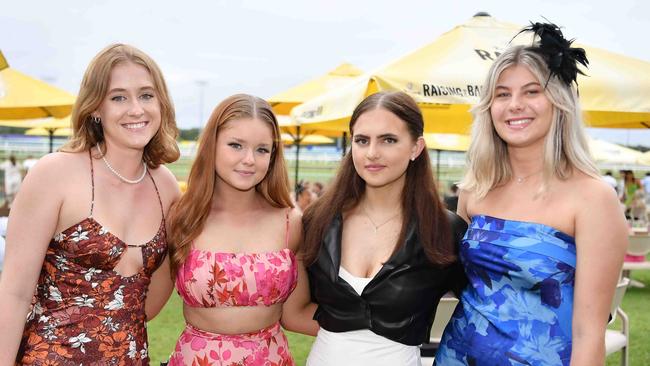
(359, 347)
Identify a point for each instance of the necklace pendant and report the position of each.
(519, 180)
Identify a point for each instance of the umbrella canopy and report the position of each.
(23, 97)
(282, 103)
(445, 77)
(610, 153)
(644, 159)
(447, 141)
(46, 123)
(307, 140)
(39, 131)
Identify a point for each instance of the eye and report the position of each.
(235, 145)
(502, 94)
(532, 92)
(118, 98)
(147, 96)
(263, 150)
(360, 140)
(390, 140)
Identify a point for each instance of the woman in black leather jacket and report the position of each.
(380, 247)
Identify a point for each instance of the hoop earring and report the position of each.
(96, 119)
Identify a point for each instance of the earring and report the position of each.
(96, 119)
(413, 158)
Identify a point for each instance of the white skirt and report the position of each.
(360, 348)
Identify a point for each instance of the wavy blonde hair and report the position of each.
(162, 148)
(188, 215)
(565, 146)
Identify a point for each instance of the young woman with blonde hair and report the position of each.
(546, 238)
(88, 226)
(233, 238)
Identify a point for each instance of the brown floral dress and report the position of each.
(83, 311)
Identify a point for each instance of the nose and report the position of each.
(249, 157)
(135, 108)
(372, 153)
(516, 103)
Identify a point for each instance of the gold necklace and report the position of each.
(520, 180)
(375, 226)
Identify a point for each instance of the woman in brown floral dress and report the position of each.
(87, 229)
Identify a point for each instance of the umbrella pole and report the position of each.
(344, 142)
(51, 132)
(297, 143)
(438, 166)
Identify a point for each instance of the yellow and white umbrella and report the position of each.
(610, 153)
(644, 159)
(39, 131)
(306, 140)
(447, 141)
(23, 97)
(445, 77)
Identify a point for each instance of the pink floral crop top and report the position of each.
(215, 279)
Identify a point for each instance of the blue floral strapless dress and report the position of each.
(517, 309)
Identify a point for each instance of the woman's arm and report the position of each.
(601, 241)
(32, 222)
(298, 311)
(161, 285)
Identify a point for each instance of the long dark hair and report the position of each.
(420, 200)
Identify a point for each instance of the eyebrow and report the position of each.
(525, 86)
(380, 136)
(122, 90)
(238, 140)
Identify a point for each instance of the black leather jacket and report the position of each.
(400, 301)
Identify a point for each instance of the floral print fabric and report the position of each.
(83, 311)
(518, 307)
(266, 347)
(211, 279)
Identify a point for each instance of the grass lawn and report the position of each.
(164, 330)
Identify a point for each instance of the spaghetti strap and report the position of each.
(286, 233)
(92, 183)
(162, 210)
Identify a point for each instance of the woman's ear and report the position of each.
(419, 146)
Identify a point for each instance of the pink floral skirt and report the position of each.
(265, 347)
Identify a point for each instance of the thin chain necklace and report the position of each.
(520, 180)
(375, 226)
(125, 180)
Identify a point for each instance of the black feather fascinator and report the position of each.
(562, 59)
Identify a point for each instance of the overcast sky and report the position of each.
(211, 49)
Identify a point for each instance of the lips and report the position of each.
(245, 173)
(519, 123)
(374, 167)
(135, 125)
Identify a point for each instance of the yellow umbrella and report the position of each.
(39, 131)
(445, 78)
(447, 141)
(644, 159)
(283, 102)
(307, 140)
(23, 97)
(610, 153)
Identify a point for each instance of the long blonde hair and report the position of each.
(565, 146)
(188, 215)
(162, 148)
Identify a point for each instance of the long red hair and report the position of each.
(188, 215)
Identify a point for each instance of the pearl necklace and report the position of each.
(375, 226)
(125, 180)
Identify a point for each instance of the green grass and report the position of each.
(165, 329)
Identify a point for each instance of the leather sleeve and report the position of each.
(458, 279)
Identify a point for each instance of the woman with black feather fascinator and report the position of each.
(546, 237)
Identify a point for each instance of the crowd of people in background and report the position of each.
(633, 193)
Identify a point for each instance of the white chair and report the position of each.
(618, 340)
(444, 312)
(638, 245)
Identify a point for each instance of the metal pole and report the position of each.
(297, 144)
(51, 132)
(438, 166)
(344, 142)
